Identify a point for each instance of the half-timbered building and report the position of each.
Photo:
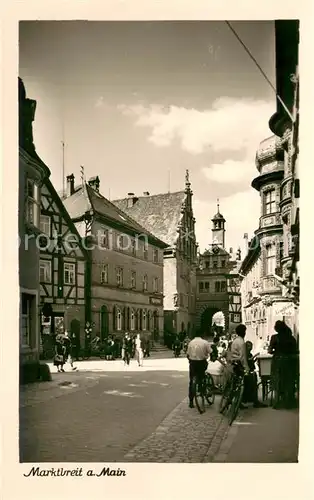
(63, 271)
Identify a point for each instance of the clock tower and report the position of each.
(218, 229)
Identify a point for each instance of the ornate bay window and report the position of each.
(32, 203)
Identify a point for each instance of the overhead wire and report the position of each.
(260, 69)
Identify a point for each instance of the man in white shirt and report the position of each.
(197, 353)
(238, 349)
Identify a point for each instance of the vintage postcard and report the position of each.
(157, 298)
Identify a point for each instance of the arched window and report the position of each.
(118, 319)
(144, 320)
(132, 320)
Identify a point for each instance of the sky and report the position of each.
(138, 103)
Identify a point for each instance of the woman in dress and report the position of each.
(283, 347)
(59, 358)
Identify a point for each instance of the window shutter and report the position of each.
(114, 318)
(141, 319)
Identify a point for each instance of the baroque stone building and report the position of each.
(217, 283)
(170, 218)
(263, 296)
(285, 124)
(126, 264)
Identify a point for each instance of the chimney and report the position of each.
(246, 243)
(132, 199)
(146, 193)
(94, 182)
(70, 185)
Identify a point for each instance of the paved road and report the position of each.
(98, 417)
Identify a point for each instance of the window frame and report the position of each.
(34, 201)
(104, 274)
(118, 319)
(144, 320)
(156, 255)
(28, 317)
(119, 276)
(270, 257)
(270, 206)
(236, 315)
(43, 265)
(132, 320)
(155, 285)
(145, 283)
(145, 250)
(133, 279)
(48, 222)
(70, 271)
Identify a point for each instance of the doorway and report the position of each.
(104, 323)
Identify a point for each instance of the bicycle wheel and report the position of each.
(226, 396)
(236, 401)
(199, 396)
(209, 389)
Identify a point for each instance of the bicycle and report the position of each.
(232, 395)
(203, 389)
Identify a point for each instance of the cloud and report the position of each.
(229, 125)
(241, 211)
(231, 171)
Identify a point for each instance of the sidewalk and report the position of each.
(262, 436)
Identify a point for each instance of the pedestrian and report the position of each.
(68, 354)
(58, 359)
(284, 366)
(250, 393)
(139, 356)
(198, 353)
(127, 349)
(75, 339)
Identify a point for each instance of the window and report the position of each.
(270, 201)
(104, 274)
(223, 286)
(217, 286)
(132, 320)
(236, 299)
(236, 318)
(144, 320)
(69, 273)
(45, 224)
(155, 285)
(207, 264)
(156, 255)
(118, 319)
(206, 286)
(133, 247)
(133, 279)
(145, 250)
(45, 271)
(201, 287)
(26, 319)
(215, 264)
(122, 243)
(119, 276)
(145, 283)
(223, 263)
(32, 203)
(270, 259)
(105, 239)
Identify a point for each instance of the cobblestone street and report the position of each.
(109, 413)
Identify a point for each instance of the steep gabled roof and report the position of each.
(86, 199)
(160, 214)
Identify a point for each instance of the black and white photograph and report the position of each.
(158, 219)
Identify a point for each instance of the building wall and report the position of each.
(28, 261)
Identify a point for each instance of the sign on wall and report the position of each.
(284, 309)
